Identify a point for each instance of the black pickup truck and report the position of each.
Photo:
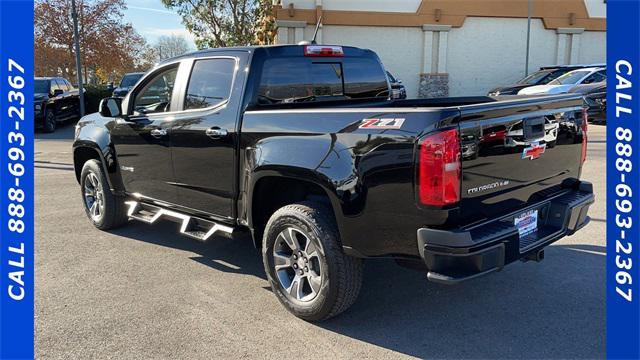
(300, 148)
(55, 100)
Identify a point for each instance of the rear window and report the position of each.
(290, 80)
(570, 78)
(534, 78)
(130, 79)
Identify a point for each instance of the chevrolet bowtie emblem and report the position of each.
(534, 151)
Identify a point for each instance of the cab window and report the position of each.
(155, 96)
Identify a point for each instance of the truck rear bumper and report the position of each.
(458, 255)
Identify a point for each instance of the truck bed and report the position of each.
(373, 169)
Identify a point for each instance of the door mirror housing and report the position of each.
(58, 92)
(111, 107)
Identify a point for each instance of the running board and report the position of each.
(196, 228)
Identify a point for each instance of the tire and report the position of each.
(340, 276)
(50, 121)
(111, 210)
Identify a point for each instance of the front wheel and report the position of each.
(104, 209)
(50, 121)
(305, 264)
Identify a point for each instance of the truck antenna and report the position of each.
(315, 33)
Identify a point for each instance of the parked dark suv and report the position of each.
(127, 82)
(55, 100)
(540, 77)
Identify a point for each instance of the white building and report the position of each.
(454, 47)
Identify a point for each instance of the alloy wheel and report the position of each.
(297, 264)
(50, 122)
(94, 196)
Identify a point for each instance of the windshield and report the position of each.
(570, 78)
(534, 78)
(130, 80)
(41, 87)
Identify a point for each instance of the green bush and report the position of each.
(93, 95)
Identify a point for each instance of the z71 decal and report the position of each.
(386, 123)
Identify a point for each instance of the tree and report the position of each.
(266, 26)
(220, 23)
(106, 42)
(170, 46)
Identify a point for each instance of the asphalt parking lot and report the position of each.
(145, 292)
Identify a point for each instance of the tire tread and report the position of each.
(348, 269)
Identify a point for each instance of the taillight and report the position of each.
(585, 116)
(323, 50)
(439, 168)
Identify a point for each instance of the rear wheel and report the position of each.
(305, 264)
(50, 122)
(104, 209)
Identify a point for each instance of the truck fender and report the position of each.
(316, 163)
(97, 140)
(301, 175)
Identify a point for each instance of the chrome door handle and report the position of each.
(216, 133)
(158, 133)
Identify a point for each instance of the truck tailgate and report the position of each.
(518, 151)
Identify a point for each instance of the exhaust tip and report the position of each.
(536, 256)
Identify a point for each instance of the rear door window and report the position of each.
(210, 83)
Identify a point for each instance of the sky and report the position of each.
(151, 20)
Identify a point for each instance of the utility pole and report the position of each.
(76, 41)
(529, 10)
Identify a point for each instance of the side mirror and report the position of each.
(399, 81)
(111, 107)
(58, 92)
